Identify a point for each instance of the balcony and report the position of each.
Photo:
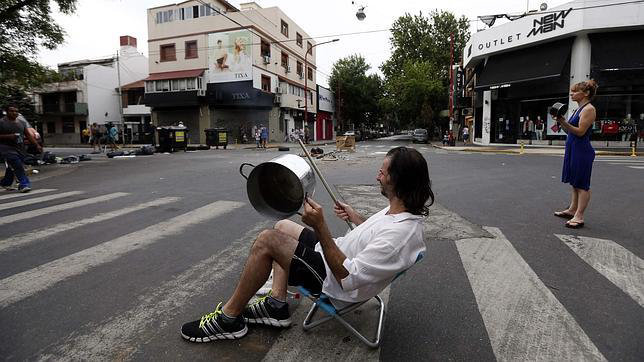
(76, 108)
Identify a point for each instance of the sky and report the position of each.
(93, 30)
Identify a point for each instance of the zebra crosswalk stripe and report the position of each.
(61, 207)
(613, 261)
(516, 306)
(23, 239)
(637, 167)
(38, 200)
(30, 282)
(105, 341)
(21, 194)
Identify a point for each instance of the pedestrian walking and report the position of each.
(264, 136)
(95, 137)
(112, 136)
(579, 153)
(13, 130)
(466, 134)
(258, 138)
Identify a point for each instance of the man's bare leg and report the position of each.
(270, 246)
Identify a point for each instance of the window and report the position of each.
(159, 17)
(175, 85)
(191, 49)
(284, 60)
(165, 85)
(190, 83)
(300, 69)
(51, 127)
(182, 84)
(298, 39)
(199, 83)
(168, 53)
(188, 13)
(195, 11)
(284, 28)
(266, 83)
(149, 86)
(265, 48)
(309, 47)
(310, 74)
(68, 125)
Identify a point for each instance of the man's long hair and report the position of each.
(409, 174)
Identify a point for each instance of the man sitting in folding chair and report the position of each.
(349, 269)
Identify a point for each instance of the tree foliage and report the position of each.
(417, 73)
(357, 93)
(25, 27)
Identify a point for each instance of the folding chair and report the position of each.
(323, 302)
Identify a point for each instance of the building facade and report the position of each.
(519, 69)
(213, 65)
(90, 93)
(325, 121)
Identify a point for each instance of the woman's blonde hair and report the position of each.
(589, 86)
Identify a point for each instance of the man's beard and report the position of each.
(383, 191)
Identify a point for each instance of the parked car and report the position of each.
(420, 135)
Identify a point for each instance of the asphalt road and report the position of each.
(119, 253)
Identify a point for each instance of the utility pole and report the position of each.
(118, 76)
(306, 77)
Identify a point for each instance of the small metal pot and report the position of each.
(277, 188)
(558, 110)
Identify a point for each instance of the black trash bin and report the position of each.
(217, 137)
(172, 138)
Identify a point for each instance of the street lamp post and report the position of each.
(306, 78)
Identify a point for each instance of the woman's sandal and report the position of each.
(564, 215)
(575, 224)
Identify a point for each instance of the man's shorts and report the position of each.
(299, 274)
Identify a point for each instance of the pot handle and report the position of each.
(241, 172)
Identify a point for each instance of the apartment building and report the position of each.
(88, 94)
(213, 65)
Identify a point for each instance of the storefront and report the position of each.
(325, 123)
(523, 67)
(242, 109)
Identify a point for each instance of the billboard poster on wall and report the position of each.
(553, 128)
(230, 56)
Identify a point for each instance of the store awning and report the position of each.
(621, 50)
(192, 73)
(537, 62)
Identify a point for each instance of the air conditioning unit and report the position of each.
(278, 99)
(267, 59)
(301, 76)
(201, 92)
(288, 69)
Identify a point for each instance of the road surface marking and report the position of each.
(19, 194)
(613, 261)
(37, 200)
(623, 159)
(66, 206)
(30, 282)
(524, 320)
(119, 336)
(637, 167)
(23, 239)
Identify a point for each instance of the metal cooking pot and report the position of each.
(558, 110)
(277, 188)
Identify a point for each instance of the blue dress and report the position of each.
(579, 156)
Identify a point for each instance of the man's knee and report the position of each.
(289, 228)
(269, 241)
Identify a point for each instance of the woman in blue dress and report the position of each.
(579, 155)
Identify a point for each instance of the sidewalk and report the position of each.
(515, 149)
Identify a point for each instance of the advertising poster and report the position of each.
(229, 56)
(553, 128)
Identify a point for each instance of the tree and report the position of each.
(25, 26)
(357, 93)
(417, 73)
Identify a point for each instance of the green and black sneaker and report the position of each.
(213, 326)
(269, 311)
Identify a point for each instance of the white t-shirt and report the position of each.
(376, 251)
